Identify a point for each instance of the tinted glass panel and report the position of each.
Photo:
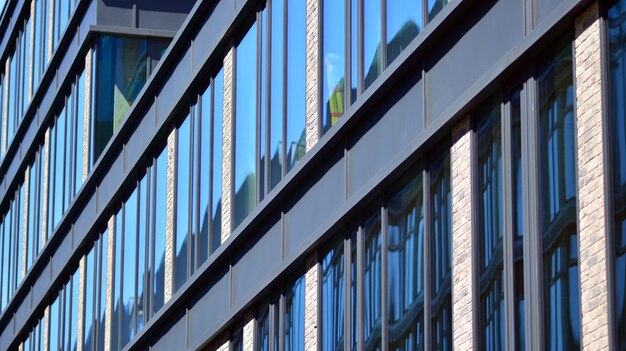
(558, 204)
(182, 203)
(371, 41)
(216, 177)
(404, 22)
(245, 127)
(435, 6)
(276, 93)
(129, 267)
(263, 331)
(204, 148)
(334, 57)
(617, 81)
(158, 293)
(333, 298)
(405, 268)
(372, 282)
(296, 57)
(294, 316)
(121, 74)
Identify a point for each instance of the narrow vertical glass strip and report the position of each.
(334, 62)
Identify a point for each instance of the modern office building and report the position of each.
(313, 175)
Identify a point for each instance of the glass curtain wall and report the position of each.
(559, 233)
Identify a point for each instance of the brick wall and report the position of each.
(591, 182)
(310, 304)
(312, 72)
(460, 168)
(169, 222)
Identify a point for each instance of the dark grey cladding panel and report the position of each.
(85, 219)
(70, 56)
(211, 30)
(162, 14)
(29, 136)
(484, 35)
(387, 130)
(543, 8)
(115, 13)
(88, 19)
(174, 339)
(175, 84)
(62, 254)
(111, 181)
(23, 312)
(7, 335)
(42, 283)
(259, 257)
(136, 143)
(211, 304)
(10, 25)
(323, 193)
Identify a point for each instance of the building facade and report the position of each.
(313, 175)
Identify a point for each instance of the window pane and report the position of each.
(159, 232)
(372, 283)
(182, 203)
(405, 269)
(102, 261)
(129, 268)
(617, 83)
(296, 72)
(276, 93)
(80, 120)
(118, 303)
(441, 285)
(204, 145)
(491, 228)
(294, 316)
(142, 244)
(89, 306)
(558, 204)
(435, 6)
(334, 71)
(263, 331)
(353, 290)
(216, 177)
(74, 314)
(354, 53)
(404, 22)
(371, 40)
(245, 127)
(333, 298)
(121, 74)
(55, 322)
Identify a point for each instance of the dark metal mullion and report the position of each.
(281, 323)
(359, 290)
(320, 69)
(359, 45)
(210, 114)
(190, 190)
(508, 239)
(257, 144)
(284, 85)
(532, 244)
(268, 97)
(383, 281)
(383, 35)
(272, 327)
(152, 223)
(120, 289)
(197, 147)
(427, 259)
(348, 50)
(475, 240)
(147, 248)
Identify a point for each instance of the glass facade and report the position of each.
(333, 301)
(559, 233)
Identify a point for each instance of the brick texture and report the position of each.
(248, 335)
(460, 156)
(46, 328)
(310, 304)
(227, 145)
(87, 114)
(223, 347)
(312, 72)
(169, 222)
(591, 184)
(109, 287)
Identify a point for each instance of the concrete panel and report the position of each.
(399, 117)
(209, 310)
(42, 283)
(69, 57)
(111, 182)
(259, 258)
(177, 82)
(137, 142)
(174, 338)
(484, 35)
(324, 192)
(62, 253)
(85, 219)
(88, 19)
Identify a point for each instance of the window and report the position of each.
(435, 6)
(405, 267)
(184, 183)
(617, 108)
(121, 72)
(333, 293)
(245, 127)
(159, 192)
(372, 55)
(558, 203)
(334, 59)
(216, 175)
(373, 284)
(491, 228)
(294, 316)
(404, 23)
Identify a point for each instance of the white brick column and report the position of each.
(591, 182)
(461, 188)
(87, 115)
(248, 334)
(169, 221)
(46, 328)
(227, 145)
(109, 285)
(46, 186)
(310, 303)
(312, 72)
(80, 340)
(223, 347)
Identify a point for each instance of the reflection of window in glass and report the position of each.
(617, 79)
(89, 306)
(296, 73)
(121, 74)
(333, 298)
(490, 228)
(558, 203)
(263, 330)
(441, 285)
(102, 286)
(160, 173)
(334, 60)
(372, 288)
(435, 6)
(245, 126)
(405, 268)
(183, 180)
(372, 55)
(128, 269)
(404, 22)
(216, 193)
(294, 316)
